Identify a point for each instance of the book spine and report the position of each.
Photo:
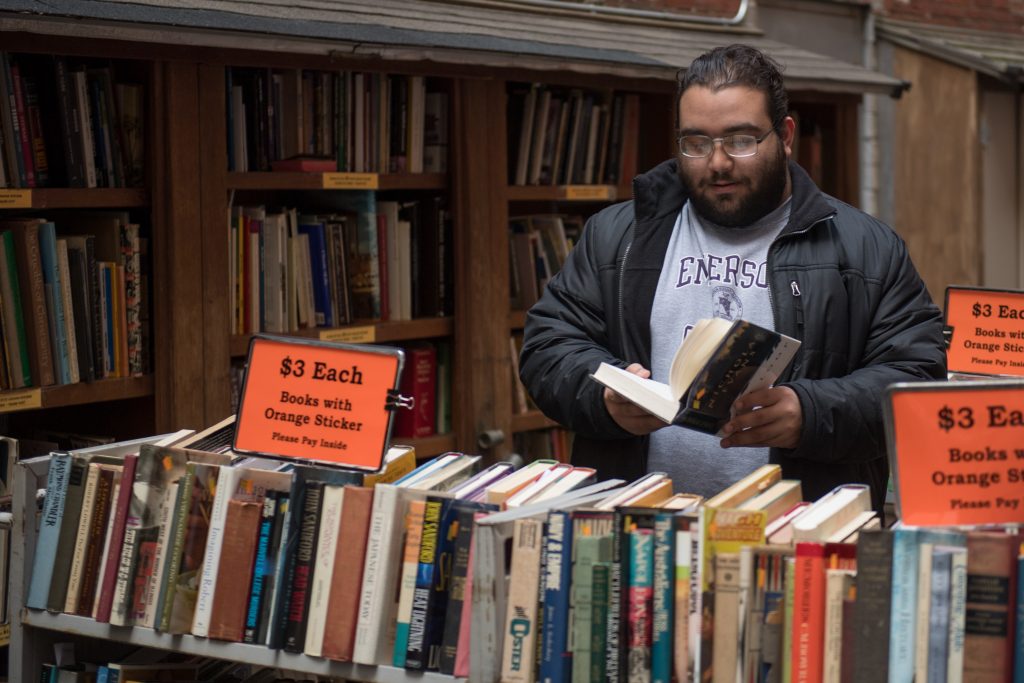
(556, 657)
(257, 594)
(663, 603)
(458, 595)
(117, 533)
(407, 587)
(234, 576)
(682, 597)
(871, 617)
(227, 480)
(598, 621)
(520, 633)
(81, 539)
(416, 654)
(988, 629)
(383, 552)
(12, 313)
(147, 611)
(612, 639)
(641, 593)
(169, 582)
(323, 569)
(94, 548)
(54, 300)
(33, 302)
(957, 615)
(343, 604)
(77, 476)
(49, 531)
(275, 557)
(808, 612)
(904, 598)
(302, 575)
(938, 618)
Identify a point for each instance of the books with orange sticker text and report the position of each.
(718, 361)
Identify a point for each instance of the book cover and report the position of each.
(301, 566)
(231, 596)
(29, 268)
(347, 575)
(419, 380)
(74, 497)
(640, 605)
(555, 654)
(989, 626)
(407, 582)
(520, 633)
(662, 603)
(428, 597)
(57, 480)
(195, 504)
(327, 547)
(261, 565)
(808, 612)
(460, 594)
(718, 362)
(112, 559)
(106, 487)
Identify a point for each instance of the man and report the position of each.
(732, 228)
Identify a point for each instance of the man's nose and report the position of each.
(719, 160)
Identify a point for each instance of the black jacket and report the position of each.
(839, 280)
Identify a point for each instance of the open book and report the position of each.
(719, 361)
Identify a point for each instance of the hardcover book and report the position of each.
(719, 361)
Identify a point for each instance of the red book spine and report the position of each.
(124, 497)
(419, 380)
(808, 613)
(23, 132)
(347, 577)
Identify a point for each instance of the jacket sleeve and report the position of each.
(843, 415)
(567, 334)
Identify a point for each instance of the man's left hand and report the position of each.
(768, 417)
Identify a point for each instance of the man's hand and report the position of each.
(769, 417)
(627, 414)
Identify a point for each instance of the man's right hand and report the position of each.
(627, 414)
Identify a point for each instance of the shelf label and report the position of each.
(364, 334)
(318, 401)
(590, 192)
(985, 331)
(351, 181)
(21, 399)
(15, 199)
(956, 451)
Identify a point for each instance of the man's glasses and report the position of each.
(737, 146)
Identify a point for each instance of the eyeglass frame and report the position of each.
(757, 142)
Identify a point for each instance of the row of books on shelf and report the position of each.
(152, 666)
(304, 120)
(68, 124)
(562, 136)
(538, 246)
(291, 270)
(524, 574)
(72, 299)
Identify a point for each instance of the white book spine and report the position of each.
(380, 570)
(227, 479)
(81, 540)
(64, 273)
(958, 616)
(323, 569)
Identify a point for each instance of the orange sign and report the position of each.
(317, 401)
(957, 452)
(985, 331)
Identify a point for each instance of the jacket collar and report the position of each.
(658, 193)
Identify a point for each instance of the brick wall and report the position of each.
(986, 15)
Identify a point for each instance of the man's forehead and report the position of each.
(733, 104)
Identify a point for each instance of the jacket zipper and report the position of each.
(794, 291)
(622, 274)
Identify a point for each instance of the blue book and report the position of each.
(555, 655)
(259, 573)
(938, 614)
(54, 300)
(309, 225)
(903, 616)
(423, 633)
(664, 598)
(49, 530)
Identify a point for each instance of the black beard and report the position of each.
(758, 204)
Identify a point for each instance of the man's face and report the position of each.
(734, 192)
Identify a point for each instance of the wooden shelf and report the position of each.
(238, 652)
(81, 393)
(563, 193)
(429, 446)
(528, 422)
(266, 180)
(74, 198)
(367, 333)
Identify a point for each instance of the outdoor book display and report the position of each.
(454, 569)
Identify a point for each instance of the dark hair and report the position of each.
(737, 64)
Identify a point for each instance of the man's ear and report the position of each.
(787, 132)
